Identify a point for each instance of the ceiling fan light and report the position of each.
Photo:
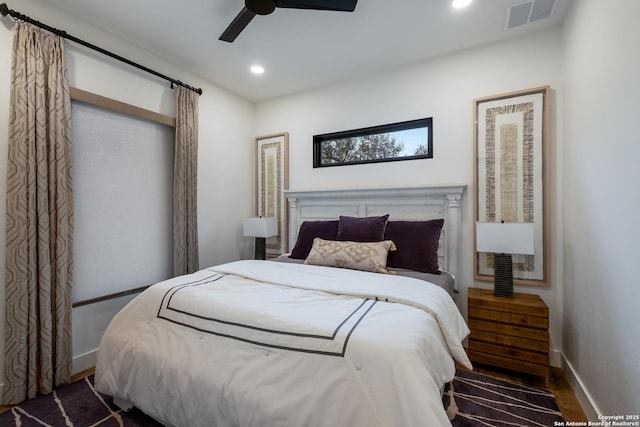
(460, 4)
(260, 7)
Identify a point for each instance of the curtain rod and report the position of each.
(4, 11)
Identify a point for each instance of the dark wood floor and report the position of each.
(569, 406)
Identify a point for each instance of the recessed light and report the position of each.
(459, 4)
(257, 69)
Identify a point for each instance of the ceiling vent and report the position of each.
(528, 11)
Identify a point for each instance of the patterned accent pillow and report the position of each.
(366, 256)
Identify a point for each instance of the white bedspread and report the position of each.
(257, 343)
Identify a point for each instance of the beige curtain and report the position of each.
(39, 218)
(185, 188)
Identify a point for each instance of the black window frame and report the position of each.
(318, 140)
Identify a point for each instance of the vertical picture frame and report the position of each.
(272, 179)
(511, 175)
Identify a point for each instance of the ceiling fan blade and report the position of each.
(338, 5)
(237, 25)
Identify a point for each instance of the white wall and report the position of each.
(225, 150)
(444, 89)
(601, 287)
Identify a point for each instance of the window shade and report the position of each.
(123, 196)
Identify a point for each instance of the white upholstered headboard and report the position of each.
(402, 204)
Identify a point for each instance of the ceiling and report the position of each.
(302, 49)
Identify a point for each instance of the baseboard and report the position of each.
(83, 362)
(584, 398)
(555, 358)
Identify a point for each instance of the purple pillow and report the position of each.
(417, 243)
(367, 229)
(309, 230)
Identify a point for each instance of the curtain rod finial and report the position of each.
(4, 9)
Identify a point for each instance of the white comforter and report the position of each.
(258, 343)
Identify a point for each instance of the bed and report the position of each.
(300, 342)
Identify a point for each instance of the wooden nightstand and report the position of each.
(510, 333)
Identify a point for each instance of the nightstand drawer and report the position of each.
(511, 318)
(510, 352)
(508, 340)
(527, 304)
(506, 329)
(513, 364)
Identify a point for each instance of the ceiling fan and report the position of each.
(265, 7)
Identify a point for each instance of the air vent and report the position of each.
(529, 11)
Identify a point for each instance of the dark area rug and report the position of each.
(471, 400)
(74, 405)
(479, 400)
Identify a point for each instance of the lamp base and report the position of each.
(260, 248)
(503, 276)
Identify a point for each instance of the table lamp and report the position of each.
(260, 228)
(504, 239)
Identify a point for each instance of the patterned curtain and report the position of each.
(185, 184)
(39, 218)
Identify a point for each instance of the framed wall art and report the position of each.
(511, 149)
(272, 179)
